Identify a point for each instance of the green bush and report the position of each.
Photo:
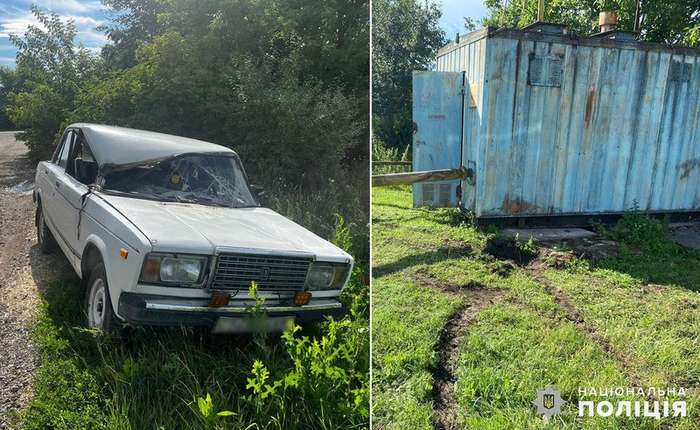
(315, 377)
(234, 73)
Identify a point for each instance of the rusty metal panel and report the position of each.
(599, 127)
(437, 126)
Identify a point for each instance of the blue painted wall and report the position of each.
(437, 125)
(618, 130)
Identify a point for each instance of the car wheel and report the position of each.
(47, 243)
(98, 305)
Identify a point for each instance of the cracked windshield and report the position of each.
(204, 179)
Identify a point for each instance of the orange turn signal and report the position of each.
(302, 298)
(219, 299)
(123, 253)
(151, 269)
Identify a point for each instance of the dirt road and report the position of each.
(24, 271)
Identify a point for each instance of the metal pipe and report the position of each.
(607, 21)
(391, 163)
(424, 176)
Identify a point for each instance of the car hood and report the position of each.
(184, 227)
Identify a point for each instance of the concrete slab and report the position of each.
(686, 234)
(548, 234)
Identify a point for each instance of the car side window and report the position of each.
(81, 163)
(59, 147)
(65, 150)
(84, 152)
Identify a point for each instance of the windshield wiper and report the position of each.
(148, 196)
(181, 199)
(220, 203)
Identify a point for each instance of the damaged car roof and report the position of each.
(120, 145)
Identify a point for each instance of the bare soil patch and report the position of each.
(509, 249)
(476, 296)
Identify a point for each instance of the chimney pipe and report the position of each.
(607, 21)
(540, 11)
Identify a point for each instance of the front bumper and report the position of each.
(144, 309)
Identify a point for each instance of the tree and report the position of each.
(406, 37)
(674, 22)
(282, 82)
(134, 23)
(9, 83)
(50, 70)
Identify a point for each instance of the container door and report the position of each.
(438, 100)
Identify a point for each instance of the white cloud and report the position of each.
(17, 24)
(91, 38)
(87, 35)
(70, 6)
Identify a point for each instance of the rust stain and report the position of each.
(516, 205)
(590, 101)
(687, 166)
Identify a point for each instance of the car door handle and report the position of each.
(58, 184)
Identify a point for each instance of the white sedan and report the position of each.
(164, 230)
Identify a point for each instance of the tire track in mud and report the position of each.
(573, 314)
(534, 265)
(475, 297)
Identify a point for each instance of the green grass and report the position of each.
(173, 378)
(405, 328)
(524, 341)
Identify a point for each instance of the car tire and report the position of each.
(99, 313)
(47, 243)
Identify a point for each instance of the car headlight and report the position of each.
(327, 276)
(183, 270)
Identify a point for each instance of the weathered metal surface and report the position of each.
(620, 131)
(437, 128)
(425, 176)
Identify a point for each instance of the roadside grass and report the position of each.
(512, 351)
(525, 341)
(405, 329)
(170, 378)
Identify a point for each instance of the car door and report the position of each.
(51, 182)
(69, 197)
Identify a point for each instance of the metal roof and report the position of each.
(558, 33)
(120, 145)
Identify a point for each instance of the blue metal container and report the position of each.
(558, 125)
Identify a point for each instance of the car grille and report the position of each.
(271, 273)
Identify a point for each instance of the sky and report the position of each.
(15, 16)
(454, 11)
